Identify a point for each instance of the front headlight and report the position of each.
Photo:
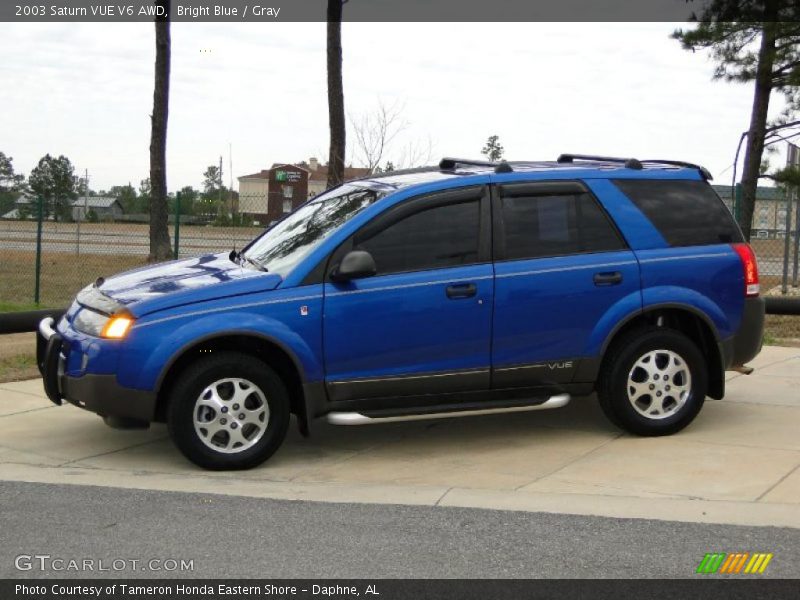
(90, 322)
(100, 325)
(117, 327)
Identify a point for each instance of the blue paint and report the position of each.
(523, 312)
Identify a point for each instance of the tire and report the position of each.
(633, 392)
(228, 411)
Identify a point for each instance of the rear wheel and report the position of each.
(653, 382)
(228, 411)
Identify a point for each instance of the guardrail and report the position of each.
(28, 321)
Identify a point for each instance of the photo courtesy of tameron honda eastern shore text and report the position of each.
(464, 289)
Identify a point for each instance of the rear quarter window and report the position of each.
(685, 213)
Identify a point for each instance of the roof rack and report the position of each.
(630, 163)
(679, 163)
(448, 164)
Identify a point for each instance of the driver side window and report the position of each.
(433, 238)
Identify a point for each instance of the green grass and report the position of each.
(62, 276)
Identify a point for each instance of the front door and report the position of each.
(561, 269)
(422, 324)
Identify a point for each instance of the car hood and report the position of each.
(185, 281)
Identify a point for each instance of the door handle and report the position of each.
(612, 278)
(461, 290)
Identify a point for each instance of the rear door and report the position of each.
(422, 324)
(560, 267)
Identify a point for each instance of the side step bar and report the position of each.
(355, 418)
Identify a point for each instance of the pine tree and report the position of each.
(753, 41)
(493, 149)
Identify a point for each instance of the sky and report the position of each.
(256, 93)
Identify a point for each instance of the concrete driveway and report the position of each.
(739, 462)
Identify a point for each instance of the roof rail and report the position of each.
(448, 164)
(630, 163)
(679, 163)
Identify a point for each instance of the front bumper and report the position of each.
(99, 394)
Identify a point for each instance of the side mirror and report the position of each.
(355, 265)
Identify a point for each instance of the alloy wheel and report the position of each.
(659, 384)
(231, 415)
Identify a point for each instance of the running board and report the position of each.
(355, 418)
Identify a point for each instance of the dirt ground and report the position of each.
(18, 357)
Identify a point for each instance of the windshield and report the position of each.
(283, 246)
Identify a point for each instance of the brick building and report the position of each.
(318, 176)
(268, 195)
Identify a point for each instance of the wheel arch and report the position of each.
(687, 319)
(274, 353)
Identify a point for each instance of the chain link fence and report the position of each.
(46, 261)
(774, 237)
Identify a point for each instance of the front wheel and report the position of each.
(653, 382)
(228, 411)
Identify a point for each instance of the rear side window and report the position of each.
(686, 213)
(443, 236)
(556, 225)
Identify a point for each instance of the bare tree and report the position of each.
(336, 117)
(159, 232)
(374, 132)
(418, 153)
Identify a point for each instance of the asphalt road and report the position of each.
(227, 536)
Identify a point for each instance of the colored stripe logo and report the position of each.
(735, 563)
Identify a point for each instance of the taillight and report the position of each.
(750, 266)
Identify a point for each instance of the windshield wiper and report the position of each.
(238, 257)
(257, 265)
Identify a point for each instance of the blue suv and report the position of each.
(467, 289)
